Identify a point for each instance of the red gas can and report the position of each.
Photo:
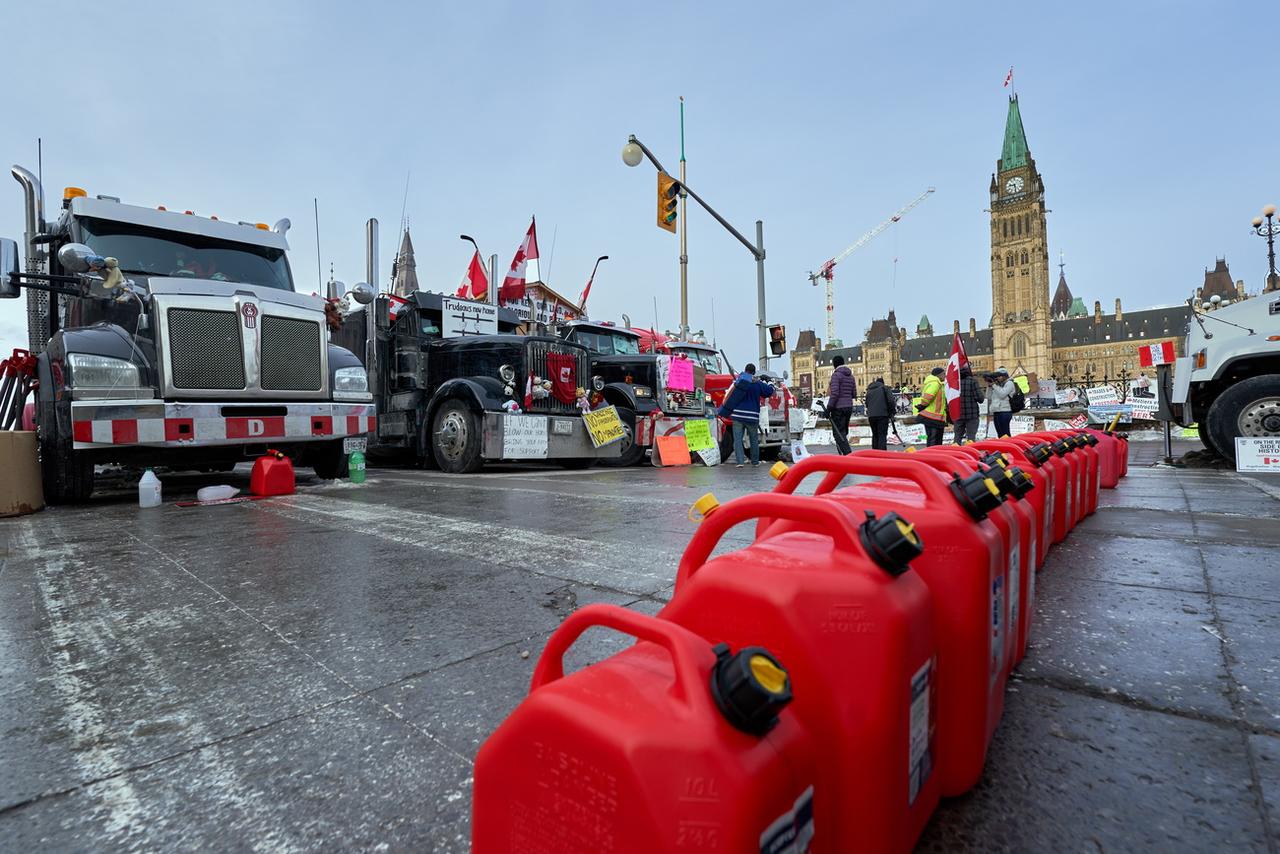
(963, 566)
(1089, 473)
(1108, 458)
(272, 475)
(1051, 458)
(637, 753)
(1040, 498)
(835, 599)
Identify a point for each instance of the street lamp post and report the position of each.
(635, 151)
(1269, 231)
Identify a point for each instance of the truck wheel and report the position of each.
(67, 473)
(455, 438)
(329, 461)
(631, 452)
(1249, 408)
(576, 463)
(1202, 430)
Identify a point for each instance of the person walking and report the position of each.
(999, 389)
(742, 407)
(971, 397)
(843, 389)
(932, 408)
(881, 407)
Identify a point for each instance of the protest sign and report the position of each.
(697, 434)
(604, 426)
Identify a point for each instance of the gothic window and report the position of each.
(1027, 217)
(1018, 224)
(1025, 256)
(1019, 343)
(1008, 260)
(1004, 227)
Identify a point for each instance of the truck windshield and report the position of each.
(607, 343)
(173, 253)
(702, 358)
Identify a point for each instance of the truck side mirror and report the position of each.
(8, 268)
(362, 292)
(78, 258)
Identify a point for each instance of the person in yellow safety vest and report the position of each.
(933, 407)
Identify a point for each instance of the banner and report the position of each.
(1105, 414)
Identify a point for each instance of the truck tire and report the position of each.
(329, 461)
(1249, 408)
(67, 473)
(576, 463)
(631, 452)
(455, 438)
(1202, 430)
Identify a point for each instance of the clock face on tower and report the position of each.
(1013, 185)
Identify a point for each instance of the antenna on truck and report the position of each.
(319, 275)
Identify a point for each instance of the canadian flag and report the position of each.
(528, 392)
(582, 301)
(524, 267)
(1008, 78)
(957, 361)
(475, 284)
(1150, 355)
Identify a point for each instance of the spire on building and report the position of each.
(924, 327)
(1061, 304)
(404, 275)
(1014, 152)
(1218, 283)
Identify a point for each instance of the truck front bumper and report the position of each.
(101, 424)
(552, 437)
(658, 423)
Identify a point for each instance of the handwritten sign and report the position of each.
(819, 437)
(1055, 424)
(908, 434)
(524, 437)
(604, 426)
(460, 317)
(1102, 395)
(798, 451)
(680, 375)
(1020, 424)
(710, 456)
(1258, 453)
(672, 451)
(697, 434)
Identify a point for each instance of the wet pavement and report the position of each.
(318, 670)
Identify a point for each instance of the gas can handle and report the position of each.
(825, 517)
(683, 645)
(865, 462)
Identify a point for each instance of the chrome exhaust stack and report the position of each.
(38, 330)
(370, 310)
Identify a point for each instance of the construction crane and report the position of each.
(827, 270)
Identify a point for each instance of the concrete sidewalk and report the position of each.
(317, 671)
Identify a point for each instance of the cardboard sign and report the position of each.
(1066, 395)
(710, 456)
(697, 434)
(1048, 390)
(604, 426)
(1055, 424)
(460, 317)
(1102, 395)
(810, 420)
(818, 437)
(672, 451)
(524, 437)
(1258, 454)
(680, 375)
(908, 434)
(798, 451)
(1078, 421)
(1020, 424)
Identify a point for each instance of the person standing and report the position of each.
(844, 388)
(881, 406)
(932, 408)
(999, 389)
(971, 397)
(742, 407)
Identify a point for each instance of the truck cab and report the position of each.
(1228, 383)
(456, 386)
(639, 384)
(170, 339)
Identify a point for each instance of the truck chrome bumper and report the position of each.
(566, 439)
(103, 423)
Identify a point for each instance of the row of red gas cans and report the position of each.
(818, 690)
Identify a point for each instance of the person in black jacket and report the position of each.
(971, 395)
(881, 407)
(843, 389)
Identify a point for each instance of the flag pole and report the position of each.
(684, 237)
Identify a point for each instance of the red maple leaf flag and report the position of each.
(1008, 78)
(524, 266)
(957, 361)
(475, 284)
(582, 302)
(1150, 355)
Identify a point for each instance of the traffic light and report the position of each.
(778, 339)
(668, 199)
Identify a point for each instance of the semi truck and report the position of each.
(164, 338)
(1228, 381)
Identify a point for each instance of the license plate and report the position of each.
(562, 426)
(351, 445)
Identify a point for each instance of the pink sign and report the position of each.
(680, 375)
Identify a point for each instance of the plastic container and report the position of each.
(835, 598)
(638, 752)
(216, 493)
(1040, 498)
(149, 490)
(272, 475)
(1109, 449)
(1051, 460)
(964, 565)
(355, 467)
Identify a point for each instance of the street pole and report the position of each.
(493, 279)
(760, 322)
(684, 238)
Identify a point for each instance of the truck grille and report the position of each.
(290, 354)
(205, 349)
(537, 355)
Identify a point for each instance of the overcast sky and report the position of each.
(1154, 125)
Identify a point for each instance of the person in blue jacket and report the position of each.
(742, 407)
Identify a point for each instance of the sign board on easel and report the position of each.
(1258, 454)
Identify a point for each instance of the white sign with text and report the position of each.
(1258, 454)
(459, 317)
(524, 437)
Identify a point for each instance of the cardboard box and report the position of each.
(21, 490)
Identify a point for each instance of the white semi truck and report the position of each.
(170, 339)
(1228, 382)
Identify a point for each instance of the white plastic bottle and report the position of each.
(149, 490)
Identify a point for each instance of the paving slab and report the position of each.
(1126, 560)
(1250, 628)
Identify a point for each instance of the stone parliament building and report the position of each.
(1028, 333)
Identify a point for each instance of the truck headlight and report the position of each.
(507, 373)
(353, 379)
(89, 371)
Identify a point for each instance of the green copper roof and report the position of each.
(1014, 153)
(924, 322)
(1077, 308)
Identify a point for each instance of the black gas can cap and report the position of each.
(1040, 453)
(750, 687)
(1000, 477)
(1022, 482)
(891, 541)
(976, 493)
(1090, 438)
(995, 458)
(1061, 447)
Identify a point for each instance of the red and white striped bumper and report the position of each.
(97, 424)
(659, 424)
